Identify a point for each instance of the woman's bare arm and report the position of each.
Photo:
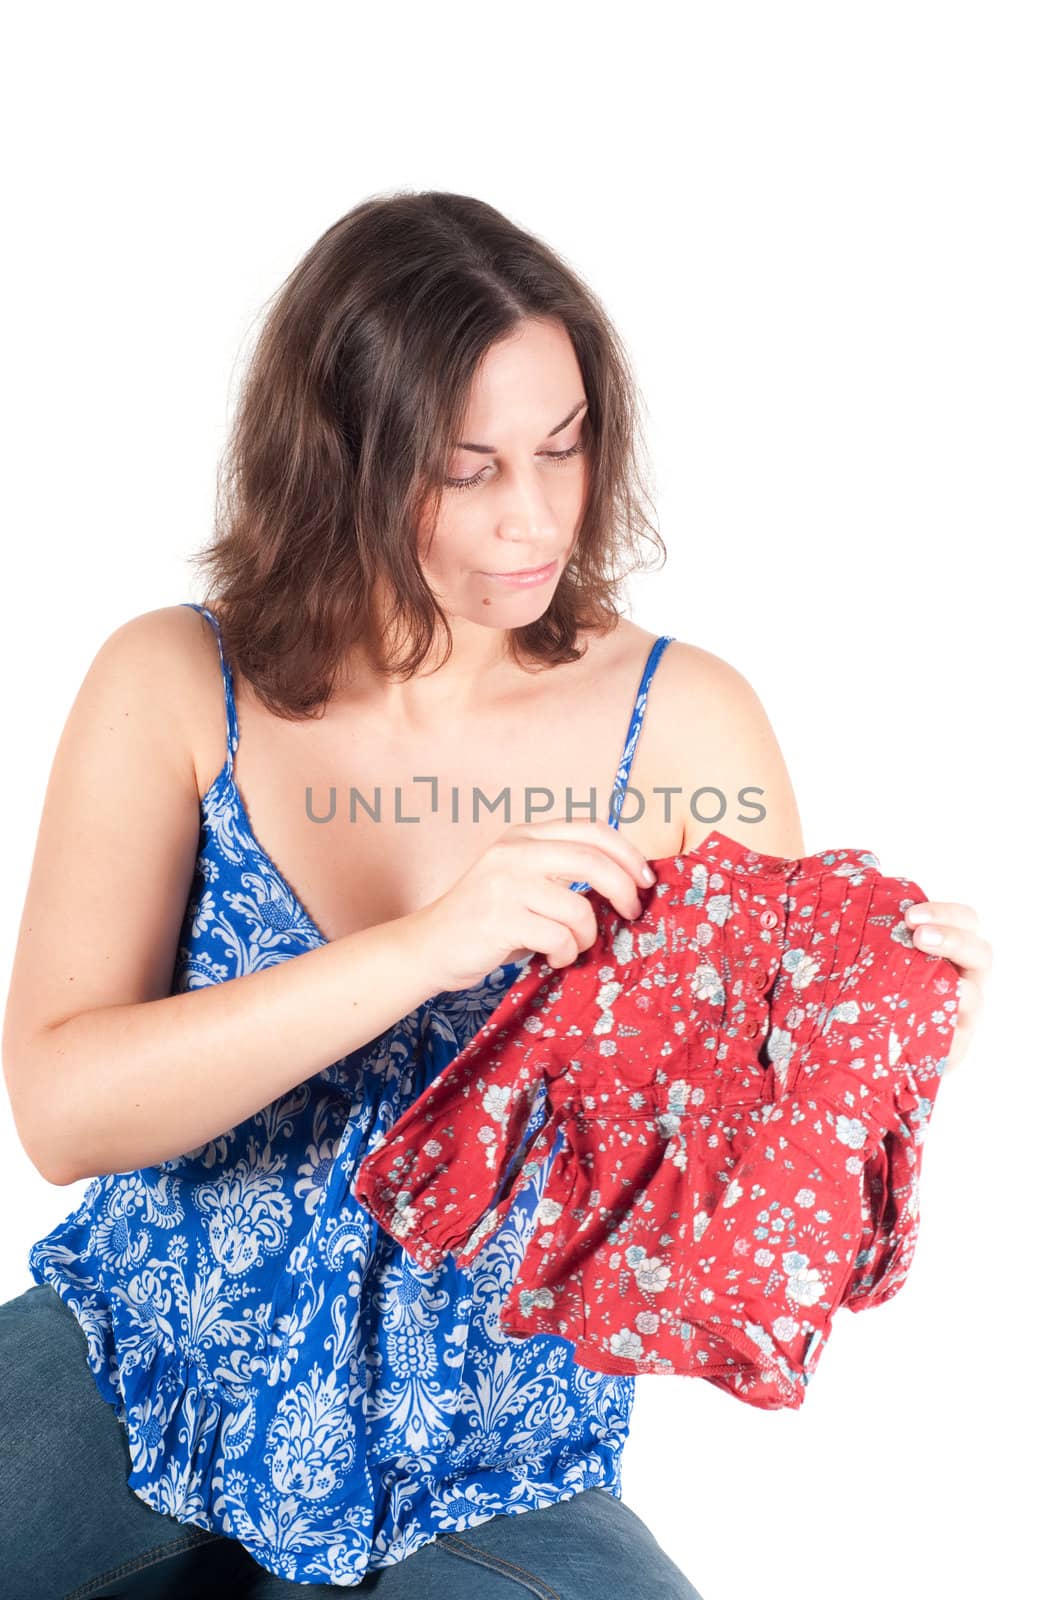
(106, 1070)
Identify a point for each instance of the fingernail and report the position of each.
(648, 874)
(916, 915)
(928, 936)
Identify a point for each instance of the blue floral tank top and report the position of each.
(285, 1373)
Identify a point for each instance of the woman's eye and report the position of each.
(555, 456)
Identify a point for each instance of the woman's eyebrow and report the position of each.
(489, 449)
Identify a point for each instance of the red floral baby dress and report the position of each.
(738, 1084)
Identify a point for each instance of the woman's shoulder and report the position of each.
(709, 729)
(171, 654)
(685, 677)
(690, 665)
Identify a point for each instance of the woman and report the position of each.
(226, 1374)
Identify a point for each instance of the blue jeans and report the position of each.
(72, 1529)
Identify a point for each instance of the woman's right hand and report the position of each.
(515, 899)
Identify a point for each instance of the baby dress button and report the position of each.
(749, 1028)
(906, 1098)
(768, 919)
(758, 976)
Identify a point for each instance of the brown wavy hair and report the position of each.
(355, 390)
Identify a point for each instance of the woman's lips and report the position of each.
(523, 580)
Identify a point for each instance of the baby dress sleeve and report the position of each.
(434, 1181)
(921, 1036)
(800, 1228)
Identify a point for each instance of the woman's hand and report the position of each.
(515, 896)
(944, 929)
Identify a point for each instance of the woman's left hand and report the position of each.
(959, 940)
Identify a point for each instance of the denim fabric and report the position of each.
(72, 1529)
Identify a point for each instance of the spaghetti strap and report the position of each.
(232, 726)
(634, 728)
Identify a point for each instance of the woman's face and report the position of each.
(514, 502)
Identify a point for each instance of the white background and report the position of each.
(829, 236)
